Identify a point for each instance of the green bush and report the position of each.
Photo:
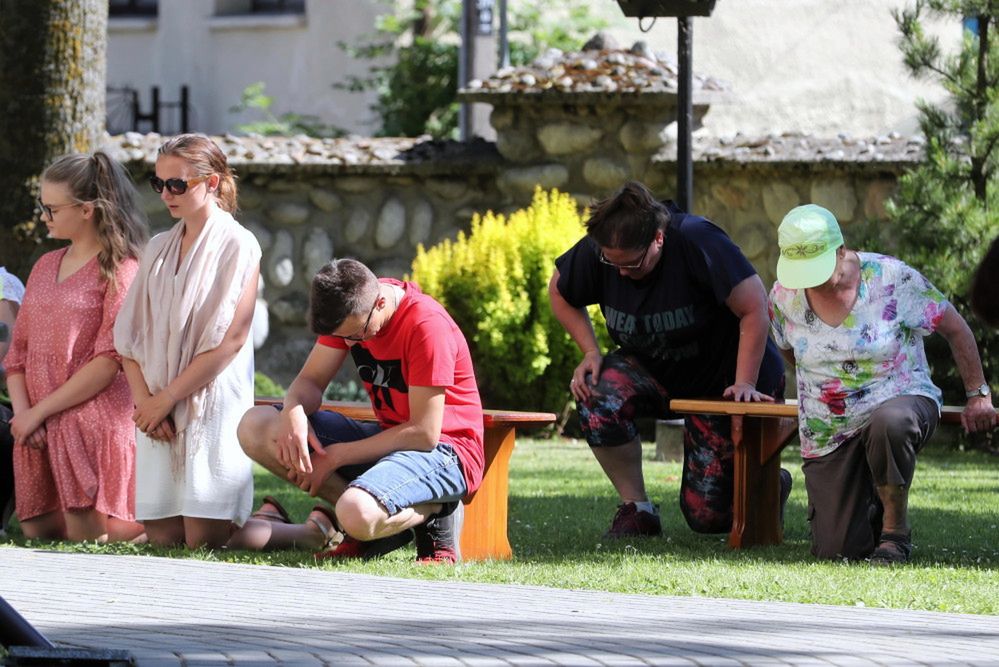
(494, 282)
(264, 387)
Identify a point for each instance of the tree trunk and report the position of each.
(978, 176)
(52, 77)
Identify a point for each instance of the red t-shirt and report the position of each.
(422, 346)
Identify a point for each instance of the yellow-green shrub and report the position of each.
(494, 282)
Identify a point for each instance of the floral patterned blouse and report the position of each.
(847, 371)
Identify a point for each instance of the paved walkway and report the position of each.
(185, 612)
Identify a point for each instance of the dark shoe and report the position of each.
(278, 514)
(786, 482)
(439, 539)
(630, 522)
(894, 549)
(351, 548)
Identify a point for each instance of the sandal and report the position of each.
(894, 549)
(279, 515)
(332, 535)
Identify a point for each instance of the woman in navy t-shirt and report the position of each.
(689, 316)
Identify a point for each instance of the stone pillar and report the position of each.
(583, 143)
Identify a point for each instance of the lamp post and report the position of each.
(683, 10)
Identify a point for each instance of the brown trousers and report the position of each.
(843, 505)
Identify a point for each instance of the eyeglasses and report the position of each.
(356, 338)
(641, 260)
(47, 211)
(176, 186)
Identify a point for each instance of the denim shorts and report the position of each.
(401, 479)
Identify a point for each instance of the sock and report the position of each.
(646, 506)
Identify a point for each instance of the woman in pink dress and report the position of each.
(74, 441)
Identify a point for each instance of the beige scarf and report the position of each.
(169, 317)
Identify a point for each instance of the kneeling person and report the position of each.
(412, 468)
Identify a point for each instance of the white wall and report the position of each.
(218, 56)
(819, 66)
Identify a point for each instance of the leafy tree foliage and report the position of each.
(947, 209)
(415, 54)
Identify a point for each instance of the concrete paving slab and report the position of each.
(187, 612)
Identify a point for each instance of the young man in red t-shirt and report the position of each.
(408, 473)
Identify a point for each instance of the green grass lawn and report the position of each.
(560, 504)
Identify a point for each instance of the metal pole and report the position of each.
(504, 27)
(464, 53)
(15, 631)
(685, 114)
(185, 101)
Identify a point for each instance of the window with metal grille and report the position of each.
(133, 7)
(277, 7)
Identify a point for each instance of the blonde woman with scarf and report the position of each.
(183, 334)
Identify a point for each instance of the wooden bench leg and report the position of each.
(484, 534)
(756, 496)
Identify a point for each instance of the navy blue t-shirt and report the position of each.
(674, 320)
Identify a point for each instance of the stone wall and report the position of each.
(303, 214)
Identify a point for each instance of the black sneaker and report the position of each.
(893, 549)
(439, 539)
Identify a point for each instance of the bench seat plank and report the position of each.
(484, 534)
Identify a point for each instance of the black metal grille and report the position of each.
(133, 7)
(277, 7)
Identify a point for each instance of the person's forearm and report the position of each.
(402, 437)
(136, 381)
(83, 385)
(966, 357)
(204, 368)
(575, 320)
(753, 329)
(305, 393)
(17, 388)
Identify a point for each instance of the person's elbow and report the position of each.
(425, 436)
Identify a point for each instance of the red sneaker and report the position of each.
(632, 522)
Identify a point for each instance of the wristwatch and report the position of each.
(981, 391)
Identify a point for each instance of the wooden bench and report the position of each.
(765, 430)
(483, 536)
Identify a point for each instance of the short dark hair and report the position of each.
(984, 300)
(627, 219)
(343, 287)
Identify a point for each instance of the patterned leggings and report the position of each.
(626, 391)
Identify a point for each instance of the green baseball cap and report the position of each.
(808, 238)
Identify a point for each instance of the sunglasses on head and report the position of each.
(175, 186)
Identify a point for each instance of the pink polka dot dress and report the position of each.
(89, 458)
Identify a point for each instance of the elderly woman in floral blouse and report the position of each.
(853, 323)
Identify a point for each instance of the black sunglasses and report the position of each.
(176, 186)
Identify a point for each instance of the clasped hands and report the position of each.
(28, 428)
(152, 416)
(291, 448)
